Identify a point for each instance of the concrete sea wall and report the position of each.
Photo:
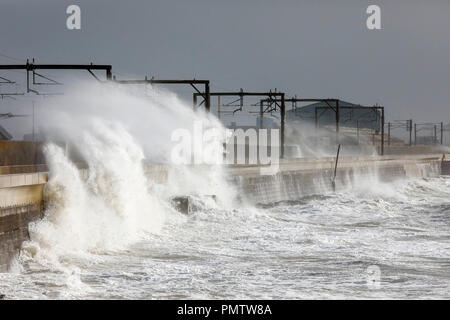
(21, 201)
(305, 177)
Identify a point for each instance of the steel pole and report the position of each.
(207, 97)
(357, 131)
(415, 134)
(283, 113)
(218, 107)
(337, 120)
(389, 134)
(435, 134)
(261, 106)
(410, 132)
(382, 131)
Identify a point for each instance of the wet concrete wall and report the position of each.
(21, 153)
(14, 222)
(289, 185)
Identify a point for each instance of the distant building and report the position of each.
(350, 115)
(267, 122)
(4, 134)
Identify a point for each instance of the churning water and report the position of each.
(318, 247)
(114, 235)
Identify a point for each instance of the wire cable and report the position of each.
(12, 58)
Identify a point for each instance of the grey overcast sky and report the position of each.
(316, 48)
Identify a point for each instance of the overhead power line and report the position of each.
(12, 58)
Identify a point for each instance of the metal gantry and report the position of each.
(429, 126)
(375, 109)
(205, 95)
(5, 81)
(31, 67)
(328, 102)
(274, 100)
(294, 101)
(395, 124)
(271, 95)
